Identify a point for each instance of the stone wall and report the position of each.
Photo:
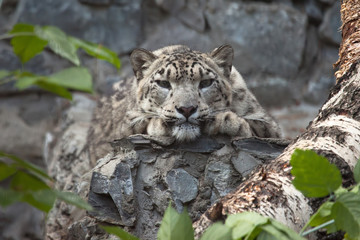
(287, 45)
(284, 48)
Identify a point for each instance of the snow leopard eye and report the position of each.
(163, 84)
(206, 83)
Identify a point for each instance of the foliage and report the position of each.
(28, 41)
(29, 183)
(247, 225)
(316, 177)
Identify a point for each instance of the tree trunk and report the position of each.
(334, 133)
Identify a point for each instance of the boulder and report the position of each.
(329, 29)
(106, 25)
(262, 35)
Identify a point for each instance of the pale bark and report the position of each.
(334, 133)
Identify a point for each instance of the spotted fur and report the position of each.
(182, 93)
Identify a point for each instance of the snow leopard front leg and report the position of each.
(228, 123)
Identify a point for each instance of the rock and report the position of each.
(96, 2)
(244, 163)
(202, 145)
(30, 115)
(171, 32)
(262, 36)
(140, 178)
(28, 226)
(183, 186)
(327, 1)
(312, 48)
(313, 10)
(220, 174)
(318, 88)
(193, 16)
(259, 148)
(171, 6)
(279, 86)
(121, 190)
(329, 29)
(119, 20)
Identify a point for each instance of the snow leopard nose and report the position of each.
(186, 111)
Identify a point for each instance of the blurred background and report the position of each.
(284, 49)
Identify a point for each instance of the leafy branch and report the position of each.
(29, 183)
(28, 41)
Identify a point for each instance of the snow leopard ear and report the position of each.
(140, 61)
(223, 57)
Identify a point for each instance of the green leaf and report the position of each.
(25, 182)
(58, 42)
(217, 231)
(356, 189)
(117, 231)
(175, 226)
(54, 88)
(27, 81)
(314, 175)
(346, 213)
(97, 50)
(77, 78)
(245, 224)
(266, 236)
(27, 46)
(4, 73)
(8, 197)
(242, 229)
(73, 199)
(6, 170)
(322, 215)
(27, 165)
(43, 200)
(253, 233)
(251, 217)
(356, 171)
(270, 232)
(44, 83)
(291, 234)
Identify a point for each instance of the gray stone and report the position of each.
(262, 36)
(30, 115)
(172, 31)
(201, 145)
(220, 175)
(323, 78)
(312, 47)
(244, 163)
(88, 23)
(260, 85)
(99, 183)
(193, 16)
(327, 1)
(17, 228)
(148, 175)
(96, 2)
(313, 10)
(262, 149)
(329, 29)
(183, 186)
(122, 193)
(104, 208)
(171, 6)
